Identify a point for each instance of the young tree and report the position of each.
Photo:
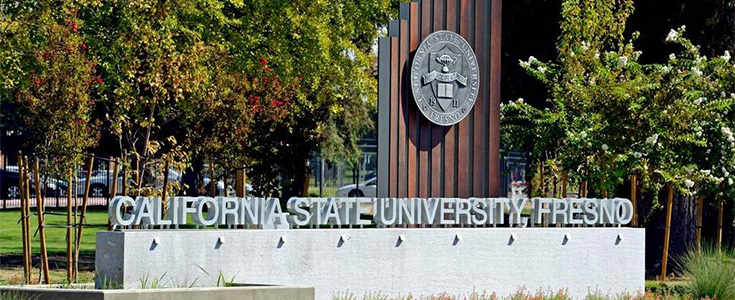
(52, 80)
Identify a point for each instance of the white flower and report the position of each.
(637, 154)
(519, 101)
(652, 139)
(583, 134)
(731, 139)
(571, 54)
(708, 151)
(706, 172)
(584, 46)
(698, 101)
(665, 69)
(732, 95)
(542, 69)
(622, 61)
(726, 56)
(532, 59)
(729, 181)
(683, 28)
(523, 64)
(696, 71)
(604, 147)
(723, 95)
(688, 183)
(672, 36)
(726, 131)
(597, 55)
(672, 56)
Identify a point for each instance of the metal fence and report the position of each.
(54, 191)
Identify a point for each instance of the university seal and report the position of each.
(444, 78)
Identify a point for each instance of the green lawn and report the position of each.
(10, 231)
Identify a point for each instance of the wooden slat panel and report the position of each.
(437, 132)
(494, 85)
(383, 116)
(402, 113)
(425, 131)
(463, 145)
(450, 165)
(393, 184)
(479, 153)
(413, 120)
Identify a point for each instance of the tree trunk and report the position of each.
(683, 228)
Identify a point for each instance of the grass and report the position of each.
(11, 245)
(10, 231)
(709, 273)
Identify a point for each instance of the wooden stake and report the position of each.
(240, 183)
(212, 179)
(113, 190)
(633, 197)
(124, 178)
(542, 184)
(85, 199)
(23, 217)
(542, 189)
(164, 200)
(69, 229)
(700, 213)
(667, 230)
(41, 222)
(720, 211)
(565, 183)
(27, 195)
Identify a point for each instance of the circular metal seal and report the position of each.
(444, 78)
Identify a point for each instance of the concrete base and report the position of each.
(227, 293)
(392, 261)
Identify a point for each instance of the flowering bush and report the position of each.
(609, 116)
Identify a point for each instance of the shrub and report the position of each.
(709, 273)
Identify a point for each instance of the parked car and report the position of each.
(221, 187)
(365, 189)
(101, 182)
(9, 180)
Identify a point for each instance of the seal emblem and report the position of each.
(444, 78)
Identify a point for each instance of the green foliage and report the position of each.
(52, 80)
(709, 273)
(609, 116)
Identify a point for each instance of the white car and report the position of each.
(365, 189)
(101, 182)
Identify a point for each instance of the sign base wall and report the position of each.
(393, 261)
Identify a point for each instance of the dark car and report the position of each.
(10, 189)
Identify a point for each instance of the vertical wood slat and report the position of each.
(493, 82)
(383, 116)
(393, 180)
(413, 118)
(460, 160)
(425, 129)
(480, 133)
(450, 167)
(405, 93)
(462, 155)
(437, 132)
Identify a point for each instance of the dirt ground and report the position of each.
(11, 271)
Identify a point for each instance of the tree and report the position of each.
(52, 80)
